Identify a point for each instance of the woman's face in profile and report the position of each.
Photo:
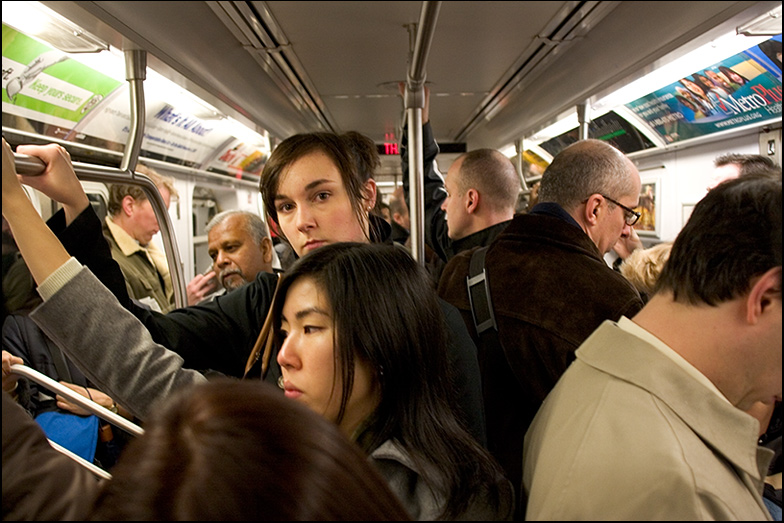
(314, 207)
(307, 359)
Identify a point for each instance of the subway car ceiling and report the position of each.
(498, 72)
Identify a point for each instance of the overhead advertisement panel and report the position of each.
(741, 90)
(56, 94)
(44, 85)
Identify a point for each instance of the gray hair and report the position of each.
(254, 225)
(584, 168)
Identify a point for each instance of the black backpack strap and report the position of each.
(60, 365)
(479, 293)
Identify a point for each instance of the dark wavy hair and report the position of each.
(354, 155)
(733, 235)
(240, 450)
(387, 315)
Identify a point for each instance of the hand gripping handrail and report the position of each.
(85, 403)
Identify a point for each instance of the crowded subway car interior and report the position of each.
(202, 93)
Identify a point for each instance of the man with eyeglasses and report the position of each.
(549, 286)
(658, 417)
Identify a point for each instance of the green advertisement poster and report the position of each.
(44, 84)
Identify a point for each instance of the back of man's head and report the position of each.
(733, 235)
(746, 163)
(584, 168)
(493, 175)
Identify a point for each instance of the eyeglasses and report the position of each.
(630, 215)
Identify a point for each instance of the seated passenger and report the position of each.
(39, 483)
(240, 248)
(432, 463)
(129, 229)
(319, 189)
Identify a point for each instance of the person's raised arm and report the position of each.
(42, 251)
(436, 232)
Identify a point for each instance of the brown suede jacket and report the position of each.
(550, 288)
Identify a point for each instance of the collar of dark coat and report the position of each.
(477, 239)
(551, 228)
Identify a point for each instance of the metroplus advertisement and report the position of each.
(741, 90)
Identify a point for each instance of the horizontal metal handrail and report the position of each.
(96, 470)
(75, 397)
(33, 166)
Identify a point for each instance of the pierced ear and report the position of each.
(371, 192)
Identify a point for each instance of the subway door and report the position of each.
(770, 143)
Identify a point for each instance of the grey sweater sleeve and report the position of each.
(110, 346)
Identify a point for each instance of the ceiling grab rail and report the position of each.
(136, 74)
(32, 166)
(414, 100)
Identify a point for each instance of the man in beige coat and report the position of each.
(129, 229)
(649, 421)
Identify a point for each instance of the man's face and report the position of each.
(236, 257)
(457, 219)
(144, 223)
(723, 173)
(613, 224)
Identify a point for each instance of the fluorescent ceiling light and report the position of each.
(34, 19)
(558, 128)
(509, 151)
(768, 24)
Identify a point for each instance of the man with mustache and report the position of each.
(240, 248)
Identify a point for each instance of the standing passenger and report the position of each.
(388, 390)
(731, 165)
(475, 202)
(552, 255)
(377, 368)
(318, 192)
(240, 248)
(129, 229)
(649, 421)
(210, 454)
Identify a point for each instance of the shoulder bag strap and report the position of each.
(263, 346)
(479, 293)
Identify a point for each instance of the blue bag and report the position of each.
(79, 434)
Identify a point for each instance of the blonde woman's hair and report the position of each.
(643, 266)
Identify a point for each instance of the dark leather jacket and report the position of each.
(550, 289)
